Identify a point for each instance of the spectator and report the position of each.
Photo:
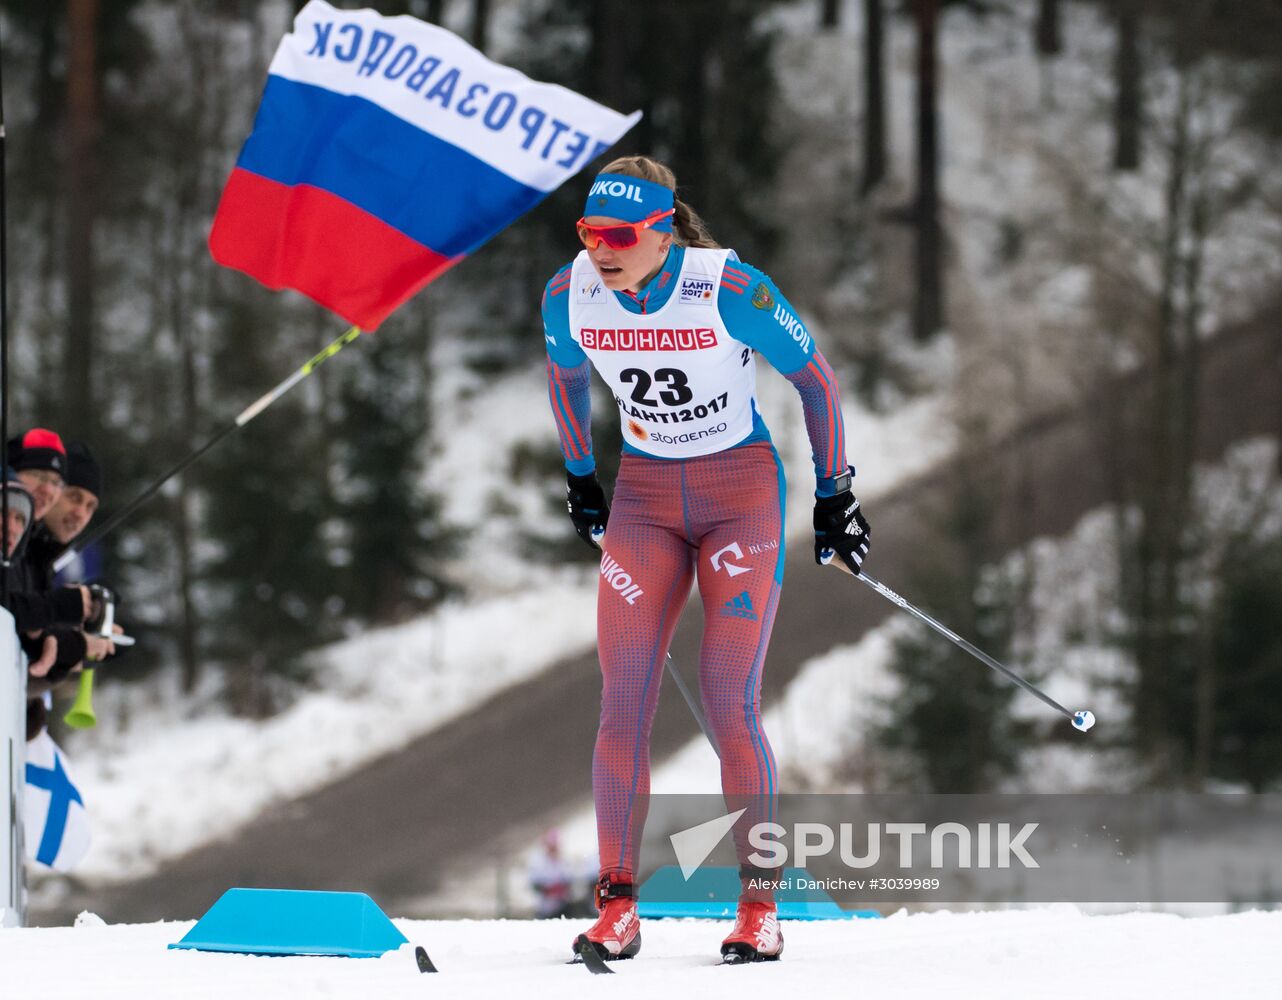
(21, 513)
(49, 620)
(40, 459)
(560, 890)
(67, 518)
(78, 503)
(21, 507)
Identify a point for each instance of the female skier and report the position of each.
(673, 324)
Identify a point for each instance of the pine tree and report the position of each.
(951, 723)
(392, 524)
(1246, 650)
(269, 588)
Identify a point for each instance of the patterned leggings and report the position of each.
(718, 518)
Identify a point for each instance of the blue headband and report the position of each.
(630, 199)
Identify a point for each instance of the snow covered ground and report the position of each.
(1044, 953)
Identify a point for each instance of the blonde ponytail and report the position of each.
(690, 228)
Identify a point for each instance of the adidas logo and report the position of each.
(740, 607)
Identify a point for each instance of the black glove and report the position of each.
(840, 527)
(585, 500)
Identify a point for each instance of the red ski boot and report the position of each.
(617, 931)
(756, 936)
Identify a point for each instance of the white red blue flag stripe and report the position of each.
(384, 150)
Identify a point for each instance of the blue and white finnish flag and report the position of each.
(53, 811)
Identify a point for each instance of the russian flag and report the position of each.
(386, 149)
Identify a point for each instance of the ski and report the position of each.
(424, 963)
(588, 955)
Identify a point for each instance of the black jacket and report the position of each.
(34, 607)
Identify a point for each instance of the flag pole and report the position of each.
(244, 417)
(4, 359)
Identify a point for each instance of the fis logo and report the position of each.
(620, 580)
(739, 607)
(589, 292)
(796, 330)
(696, 289)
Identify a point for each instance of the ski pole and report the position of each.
(245, 416)
(4, 359)
(1081, 721)
(693, 705)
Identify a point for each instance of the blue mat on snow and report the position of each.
(294, 922)
(713, 893)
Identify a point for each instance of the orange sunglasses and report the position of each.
(617, 235)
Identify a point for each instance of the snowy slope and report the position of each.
(1044, 953)
(375, 693)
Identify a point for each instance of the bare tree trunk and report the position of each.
(1129, 72)
(1165, 492)
(700, 157)
(1205, 682)
(82, 121)
(435, 11)
(1277, 341)
(830, 14)
(49, 115)
(480, 23)
(609, 25)
(183, 513)
(186, 171)
(1049, 38)
(874, 97)
(928, 309)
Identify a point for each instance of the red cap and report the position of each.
(39, 448)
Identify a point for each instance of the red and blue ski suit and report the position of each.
(699, 496)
